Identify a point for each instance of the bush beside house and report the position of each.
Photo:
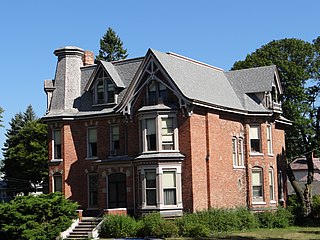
(40, 217)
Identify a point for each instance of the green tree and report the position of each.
(111, 47)
(25, 153)
(40, 217)
(296, 61)
(1, 121)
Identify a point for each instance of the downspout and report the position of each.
(208, 162)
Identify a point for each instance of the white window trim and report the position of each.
(159, 186)
(105, 79)
(258, 200)
(158, 117)
(271, 170)
(260, 146)
(269, 148)
(236, 161)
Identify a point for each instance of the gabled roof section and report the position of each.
(254, 80)
(248, 82)
(198, 81)
(112, 72)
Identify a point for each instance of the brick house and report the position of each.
(163, 133)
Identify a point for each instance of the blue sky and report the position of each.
(215, 32)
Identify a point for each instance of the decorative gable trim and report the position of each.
(146, 73)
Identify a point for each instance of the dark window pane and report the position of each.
(151, 197)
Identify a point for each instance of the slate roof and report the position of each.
(246, 82)
(198, 82)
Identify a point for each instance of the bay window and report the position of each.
(269, 138)
(169, 188)
(151, 187)
(159, 133)
(271, 184)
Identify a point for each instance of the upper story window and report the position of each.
(114, 140)
(157, 92)
(255, 143)
(269, 139)
(237, 152)
(159, 133)
(57, 154)
(92, 142)
(104, 90)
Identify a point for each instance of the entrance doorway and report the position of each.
(117, 193)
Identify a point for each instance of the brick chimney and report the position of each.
(88, 58)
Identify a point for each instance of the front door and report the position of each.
(117, 194)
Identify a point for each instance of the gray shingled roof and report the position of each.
(108, 66)
(199, 82)
(246, 82)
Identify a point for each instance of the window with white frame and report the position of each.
(169, 188)
(159, 133)
(57, 182)
(104, 89)
(255, 143)
(57, 154)
(92, 190)
(257, 185)
(271, 184)
(114, 140)
(151, 187)
(269, 138)
(92, 142)
(237, 152)
(234, 151)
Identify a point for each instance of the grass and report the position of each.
(301, 233)
(292, 233)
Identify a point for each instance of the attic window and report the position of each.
(104, 90)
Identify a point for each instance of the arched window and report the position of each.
(257, 185)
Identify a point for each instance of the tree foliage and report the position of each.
(37, 217)
(25, 152)
(297, 62)
(1, 112)
(111, 47)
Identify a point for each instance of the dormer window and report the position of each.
(157, 92)
(104, 90)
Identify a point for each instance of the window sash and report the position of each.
(57, 183)
(271, 184)
(151, 187)
(57, 154)
(234, 151)
(240, 152)
(93, 190)
(115, 139)
(269, 139)
(92, 142)
(257, 185)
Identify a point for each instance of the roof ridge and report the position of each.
(251, 68)
(194, 61)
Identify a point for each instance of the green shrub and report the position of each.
(195, 230)
(275, 219)
(118, 226)
(40, 217)
(316, 206)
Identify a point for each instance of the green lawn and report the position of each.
(292, 233)
(301, 233)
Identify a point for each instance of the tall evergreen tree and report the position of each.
(25, 152)
(1, 121)
(296, 61)
(111, 47)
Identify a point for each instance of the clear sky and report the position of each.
(215, 32)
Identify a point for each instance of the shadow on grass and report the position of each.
(247, 238)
